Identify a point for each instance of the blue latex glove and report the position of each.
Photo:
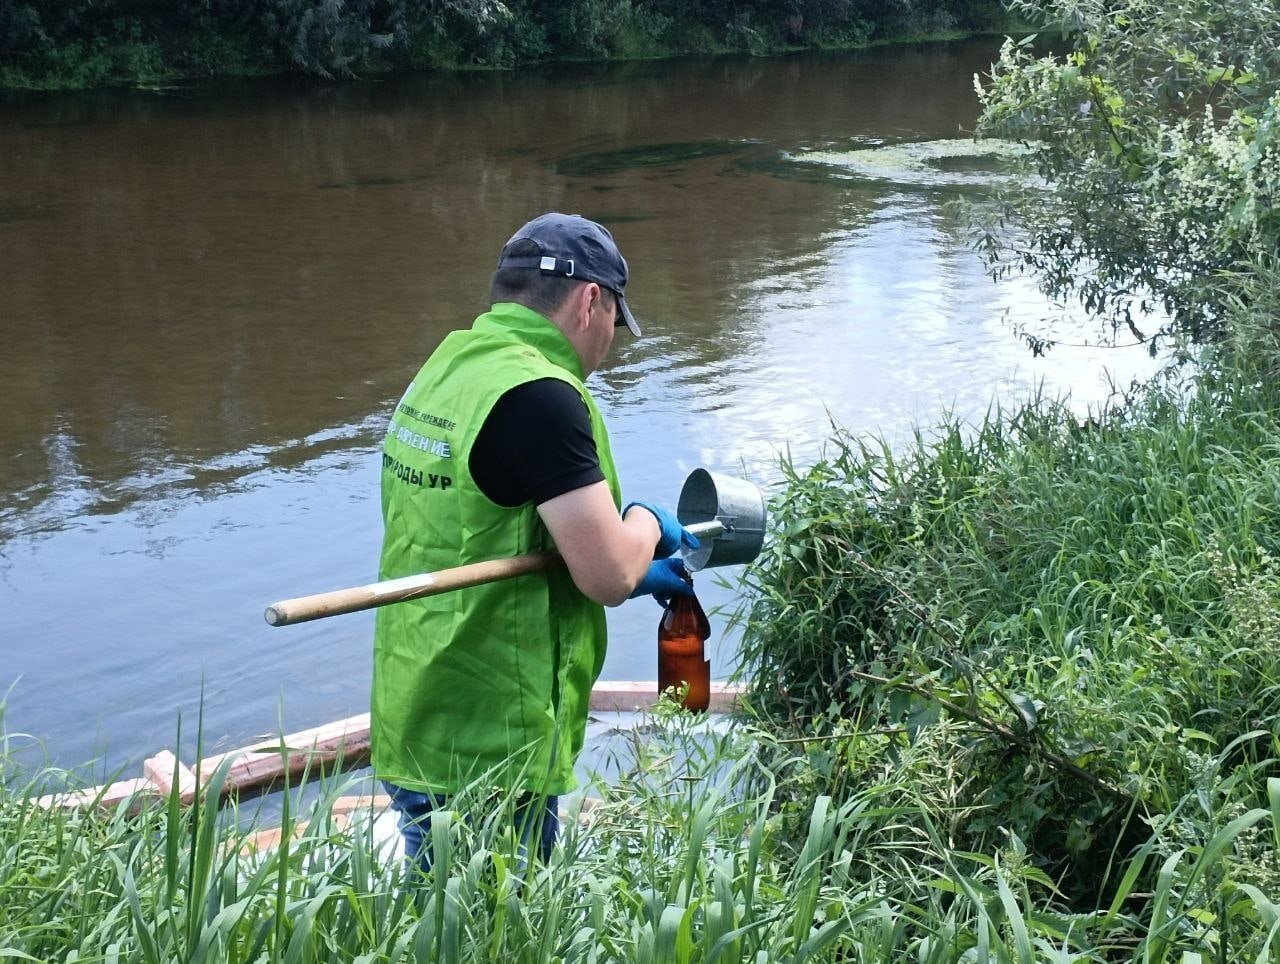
(673, 534)
(665, 579)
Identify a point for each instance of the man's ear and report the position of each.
(582, 300)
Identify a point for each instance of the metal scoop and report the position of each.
(731, 511)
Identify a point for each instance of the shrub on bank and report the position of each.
(1155, 145)
(1053, 627)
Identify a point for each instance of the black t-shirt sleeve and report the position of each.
(536, 444)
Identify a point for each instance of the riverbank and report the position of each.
(113, 44)
(1018, 688)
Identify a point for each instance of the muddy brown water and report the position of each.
(211, 297)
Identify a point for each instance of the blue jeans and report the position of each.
(536, 818)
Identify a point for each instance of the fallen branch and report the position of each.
(1008, 735)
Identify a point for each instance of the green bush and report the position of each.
(1050, 623)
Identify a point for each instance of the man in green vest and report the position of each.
(497, 449)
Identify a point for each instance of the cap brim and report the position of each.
(628, 317)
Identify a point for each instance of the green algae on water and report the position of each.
(936, 163)
(608, 217)
(646, 155)
(379, 180)
(783, 167)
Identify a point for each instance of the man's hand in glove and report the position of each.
(672, 534)
(665, 579)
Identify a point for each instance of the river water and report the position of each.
(211, 298)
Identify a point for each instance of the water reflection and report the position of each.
(209, 302)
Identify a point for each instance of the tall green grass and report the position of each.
(1051, 627)
(686, 858)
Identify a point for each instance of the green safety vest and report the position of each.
(490, 683)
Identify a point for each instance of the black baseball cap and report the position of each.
(572, 246)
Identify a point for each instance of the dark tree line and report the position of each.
(88, 42)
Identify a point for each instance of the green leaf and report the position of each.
(1026, 708)
(1273, 798)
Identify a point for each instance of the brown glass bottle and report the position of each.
(682, 633)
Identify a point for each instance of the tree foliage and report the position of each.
(84, 42)
(1157, 156)
(343, 37)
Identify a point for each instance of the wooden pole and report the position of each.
(370, 596)
(339, 601)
